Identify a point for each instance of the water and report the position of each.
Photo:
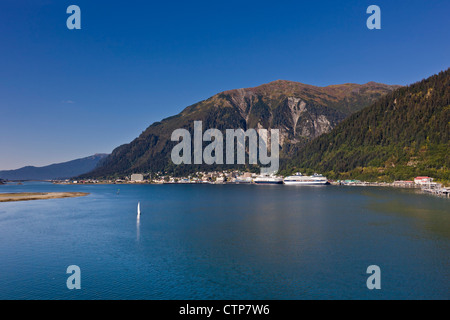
(225, 242)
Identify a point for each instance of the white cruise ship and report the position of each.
(299, 179)
(268, 180)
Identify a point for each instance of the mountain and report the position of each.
(404, 134)
(55, 171)
(301, 112)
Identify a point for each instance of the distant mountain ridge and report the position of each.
(404, 134)
(301, 112)
(62, 170)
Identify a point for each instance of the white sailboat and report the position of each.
(138, 221)
(139, 210)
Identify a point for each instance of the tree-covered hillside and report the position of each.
(404, 134)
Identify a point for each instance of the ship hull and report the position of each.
(268, 182)
(306, 183)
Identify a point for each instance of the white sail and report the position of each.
(139, 210)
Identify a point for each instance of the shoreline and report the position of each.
(27, 196)
(434, 189)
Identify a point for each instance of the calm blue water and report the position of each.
(225, 242)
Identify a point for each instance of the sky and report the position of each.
(67, 94)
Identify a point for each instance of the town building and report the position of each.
(423, 180)
(137, 177)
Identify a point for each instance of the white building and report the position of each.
(423, 180)
(137, 177)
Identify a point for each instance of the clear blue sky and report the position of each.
(66, 94)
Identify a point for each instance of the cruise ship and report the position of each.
(299, 179)
(268, 180)
(243, 180)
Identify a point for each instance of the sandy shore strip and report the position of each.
(25, 196)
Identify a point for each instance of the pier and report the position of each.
(436, 189)
(425, 185)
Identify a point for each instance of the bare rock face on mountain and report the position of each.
(301, 112)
